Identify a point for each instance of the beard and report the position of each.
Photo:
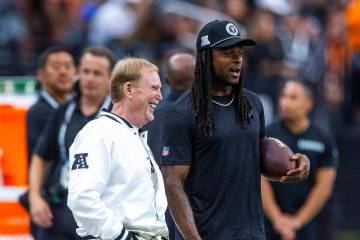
(223, 80)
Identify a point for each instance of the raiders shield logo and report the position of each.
(232, 29)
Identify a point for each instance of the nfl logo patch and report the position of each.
(165, 151)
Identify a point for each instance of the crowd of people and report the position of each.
(317, 39)
(303, 70)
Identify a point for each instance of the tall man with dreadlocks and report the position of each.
(210, 154)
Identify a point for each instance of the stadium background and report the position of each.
(319, 40)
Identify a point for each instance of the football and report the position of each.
(275, 158)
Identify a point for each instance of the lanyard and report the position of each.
(49, 99)
(67, 118)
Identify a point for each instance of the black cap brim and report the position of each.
(236, 41)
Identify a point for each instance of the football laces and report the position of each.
(278, 142)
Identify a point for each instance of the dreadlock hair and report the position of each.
(201, 95)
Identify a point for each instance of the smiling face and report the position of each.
(146, 95)
(227, 63)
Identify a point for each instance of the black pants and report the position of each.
(64, 225)
(170, 224)
(34, 230)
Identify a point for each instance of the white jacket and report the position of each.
(115, 184)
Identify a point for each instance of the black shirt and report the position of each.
(320, 149)
(223, 185)
(37, 117)
(155, 127)
(49, 148)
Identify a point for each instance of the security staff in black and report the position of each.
(292, 208)
(210, 153)
(56, 74)
(49, 171)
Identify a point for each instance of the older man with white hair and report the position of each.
(116, 189)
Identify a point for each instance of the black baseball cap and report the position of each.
(221, 34)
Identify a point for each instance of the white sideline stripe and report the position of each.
(21, 101)
(10, 194)
(16, 237)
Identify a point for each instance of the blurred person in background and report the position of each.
(292, 209)
(12, 33)
(315, 9)
(353, 39)
(56, 74)
(335, 61)
(265, 63)
(50, 23)
(334, 99)
(140, 35)
(49, 170)
(180, 70)
(238, 10)
(156, 35)
(302, 41)
(109, 14)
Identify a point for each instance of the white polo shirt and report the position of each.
(115, 184)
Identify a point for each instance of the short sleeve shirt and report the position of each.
(37, 117)
(155, 127)
(318, 146)
(223, 185)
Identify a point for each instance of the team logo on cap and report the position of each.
(205, 40)
(231, 29)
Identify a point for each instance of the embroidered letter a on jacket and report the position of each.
(80, 161)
